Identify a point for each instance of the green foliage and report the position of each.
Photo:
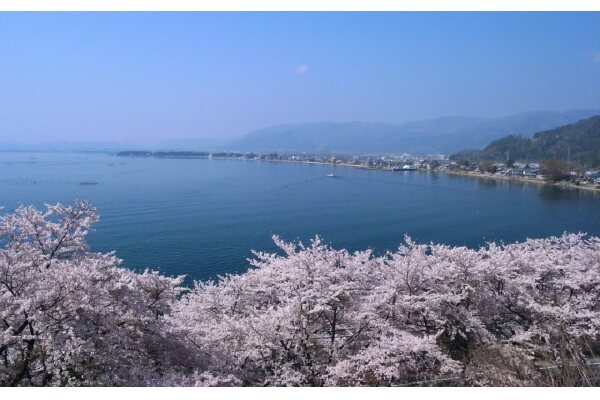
(578, 143)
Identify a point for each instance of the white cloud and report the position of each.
(301, 70)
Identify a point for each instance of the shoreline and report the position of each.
(561, 185)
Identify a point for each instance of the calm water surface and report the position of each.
(202, 217)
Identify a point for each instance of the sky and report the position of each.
(157, 76)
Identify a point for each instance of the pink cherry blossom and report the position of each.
(425, 314)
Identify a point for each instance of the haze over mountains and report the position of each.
(438, 135)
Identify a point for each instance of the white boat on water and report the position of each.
(331, 175)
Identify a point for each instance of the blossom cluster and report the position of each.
(310, 315)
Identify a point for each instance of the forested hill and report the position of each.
(578, 142)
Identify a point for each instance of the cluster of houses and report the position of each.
(529, 170)
(384, 162)
(592, 176)
(522, 170)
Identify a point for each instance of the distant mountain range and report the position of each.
(439, 135)
(578, 142)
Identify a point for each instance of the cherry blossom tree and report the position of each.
(73, 317)
(309, 315)
(432, 313)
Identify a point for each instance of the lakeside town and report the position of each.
(545, 172)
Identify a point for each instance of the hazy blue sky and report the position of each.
(135, 76)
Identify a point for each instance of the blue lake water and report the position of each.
(202, 217)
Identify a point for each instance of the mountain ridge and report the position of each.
(578, 142)
(446, 134)
(442, 134)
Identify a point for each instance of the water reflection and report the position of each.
(552, 193)
(487, 183)
(548, 192)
